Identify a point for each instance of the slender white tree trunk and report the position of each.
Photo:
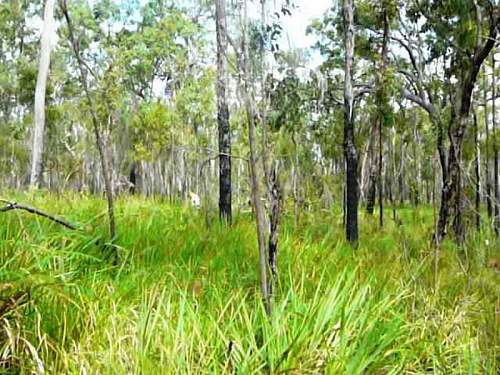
(41, 83)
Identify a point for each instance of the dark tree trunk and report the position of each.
(275, 213)
(350, 152)
(451, 194)
(133, 178)
(223, 114)
(443, 160)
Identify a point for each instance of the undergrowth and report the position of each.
(185, 298)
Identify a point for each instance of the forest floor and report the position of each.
(185, 299)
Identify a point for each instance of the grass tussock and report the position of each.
(185, 297)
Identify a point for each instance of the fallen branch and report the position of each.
(16, 206)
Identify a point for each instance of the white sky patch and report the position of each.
(295, 26)
(302, 16)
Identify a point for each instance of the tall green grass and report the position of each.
(185, 298)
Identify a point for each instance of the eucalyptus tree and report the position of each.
(446, 44)
(350, 151)
(423, 83)
(470, 31)
(254, 41)
(162, 65)
(223, 113)
(288, 114)
(387, 12)
(336, 32)
(247, 90)
(496, 172)
(84, 71)
(41, 82)
(379, 22)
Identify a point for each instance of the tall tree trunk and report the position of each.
(489, 202)
(97, 132)
(274, 225)
(401, 172)
(271, 177)
(383, 69)
(350, 152)
(255, 172)
(297, 197)
(266, 161)
(41, 83)
(372, 178)
(225, 211)
(380, 180)
(363, 183)
(393, 172)
(477, 171)
(496, 223)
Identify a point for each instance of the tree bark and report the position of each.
(225, 211)
(274, 216)
(350, 151)
(41, 83)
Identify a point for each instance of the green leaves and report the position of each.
(449, 26)
(157, 124)
(158, 49)
(151, 125)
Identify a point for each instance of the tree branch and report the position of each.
(16, 206)
(419, 100)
